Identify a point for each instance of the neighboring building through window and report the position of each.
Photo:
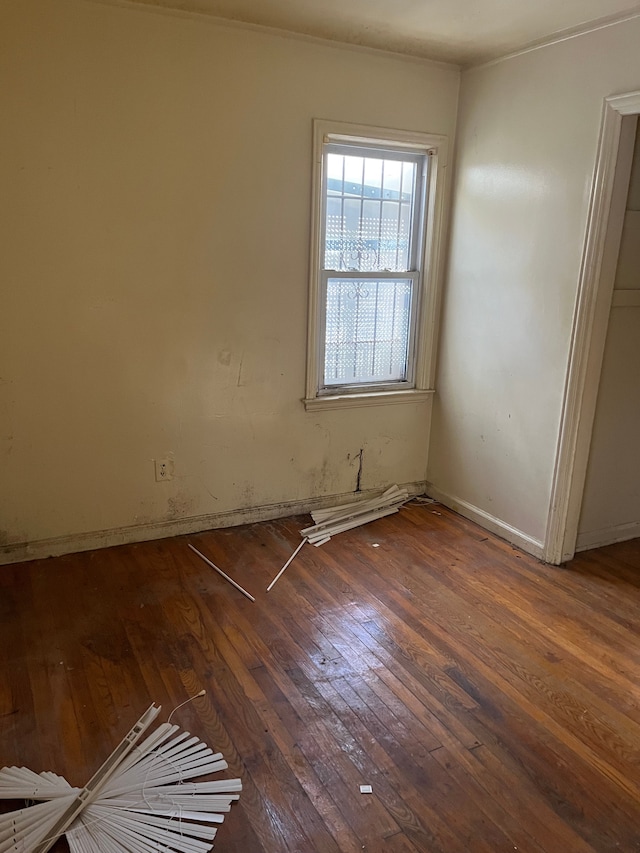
(374, 194)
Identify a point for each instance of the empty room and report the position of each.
(319, 405)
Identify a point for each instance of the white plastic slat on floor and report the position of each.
(141, 800)
(343, 517)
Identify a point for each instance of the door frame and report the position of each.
(588, 334)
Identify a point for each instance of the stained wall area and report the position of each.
(156, 174)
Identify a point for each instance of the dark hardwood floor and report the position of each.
(491, 701)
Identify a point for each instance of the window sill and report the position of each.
(356, 401)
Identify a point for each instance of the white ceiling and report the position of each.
(462, 31)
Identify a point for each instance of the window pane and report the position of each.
(362, 234)
(373, 177)
(392, 178)
(367, 330)
(335, 167)
(353, 172)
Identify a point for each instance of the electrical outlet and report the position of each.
(164, 470)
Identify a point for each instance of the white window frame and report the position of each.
(420, 369)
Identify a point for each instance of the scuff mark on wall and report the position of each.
(248, 498)
(10, 538)
(203, 482)
(325, 431)
(239, 382)
(179, 506)
(359, 456)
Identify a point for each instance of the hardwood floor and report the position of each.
(492, 702)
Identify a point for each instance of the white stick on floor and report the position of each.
(286, 565)
(220, 572)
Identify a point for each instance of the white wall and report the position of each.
(527, 136)
(156, 174)
(611, 502)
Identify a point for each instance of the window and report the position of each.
(372, 282)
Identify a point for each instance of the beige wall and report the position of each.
(611, 502)
(527, 136)
(156, 191)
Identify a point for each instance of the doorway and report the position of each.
(591, 319)
(611, 501)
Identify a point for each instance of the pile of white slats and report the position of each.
(140, 800)
(337, 519)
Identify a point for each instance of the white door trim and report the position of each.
(588, 334)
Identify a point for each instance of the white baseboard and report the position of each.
(76, 542)
(489, 522)
(607, 536)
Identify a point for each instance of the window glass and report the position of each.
(370, 208)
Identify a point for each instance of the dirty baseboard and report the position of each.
(607, 536)
(488, 522)
(91, 540)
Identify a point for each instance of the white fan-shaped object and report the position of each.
(140, 801)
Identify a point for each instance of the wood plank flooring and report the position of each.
(491, 701)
